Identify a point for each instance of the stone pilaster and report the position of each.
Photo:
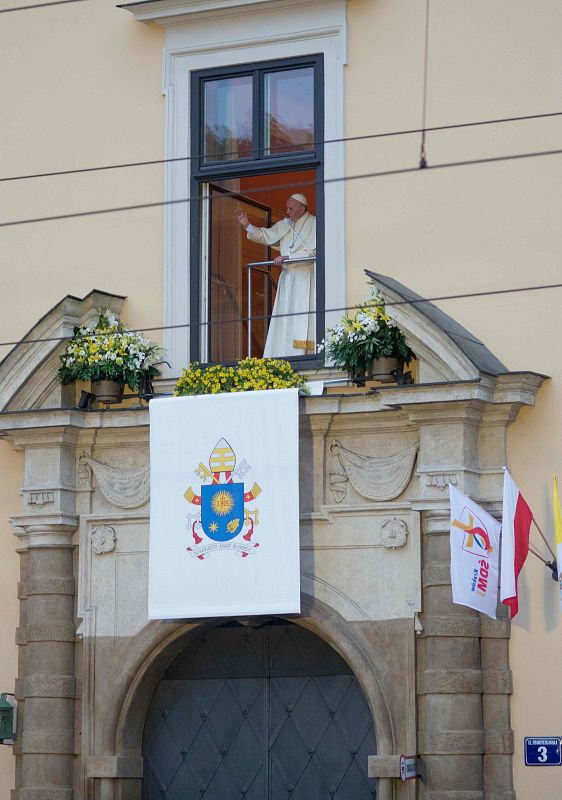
(46, 685)
(449, 679)
(498, 744)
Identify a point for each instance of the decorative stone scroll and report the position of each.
(125, 488)
(374, 477)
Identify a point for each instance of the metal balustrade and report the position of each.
(265, 268)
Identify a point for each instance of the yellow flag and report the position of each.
(557, 532)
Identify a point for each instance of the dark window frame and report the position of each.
(259, 164)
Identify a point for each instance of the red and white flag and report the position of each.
(516, 523)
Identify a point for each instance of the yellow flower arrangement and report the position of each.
(249, 375)
(107, 350)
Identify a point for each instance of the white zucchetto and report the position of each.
(300, 198)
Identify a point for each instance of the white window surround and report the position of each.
(201, 34)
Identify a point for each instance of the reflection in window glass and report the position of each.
(228, 119)
(289, 110)
(230, 251)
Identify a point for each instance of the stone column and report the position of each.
(449, 667)
(46, 684)
(498, 735)
(449, 679)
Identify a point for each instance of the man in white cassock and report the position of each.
(294, 237)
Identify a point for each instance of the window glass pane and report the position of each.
(289, 110)
(230, 252)
(228, 119)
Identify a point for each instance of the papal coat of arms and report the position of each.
(224, 521)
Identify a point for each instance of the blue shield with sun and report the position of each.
(222, 510)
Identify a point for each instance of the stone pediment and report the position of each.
(446, 351)
(27, 373)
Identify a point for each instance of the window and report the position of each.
(257, 138)
(205, 36)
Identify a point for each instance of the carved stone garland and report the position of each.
(125, 488)
(373, 477)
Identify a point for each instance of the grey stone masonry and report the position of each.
(374, 559)
(47, 687)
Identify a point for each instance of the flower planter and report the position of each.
(354, 342)
(382, 369)
(107, 391)
(110, 356)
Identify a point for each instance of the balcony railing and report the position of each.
(265, 268)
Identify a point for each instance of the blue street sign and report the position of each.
(542, 751)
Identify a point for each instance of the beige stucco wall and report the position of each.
(83, 87)
(11, 470)
(475, 228)
(82, 84)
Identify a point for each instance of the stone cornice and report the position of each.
(170, 12)
(52, 531)
(508, 392)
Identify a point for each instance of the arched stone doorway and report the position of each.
(261, 713)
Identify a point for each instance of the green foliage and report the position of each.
(249, 375)
(355, 341)
(107, 350)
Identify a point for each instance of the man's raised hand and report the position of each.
(242, 218)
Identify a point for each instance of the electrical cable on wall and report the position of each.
(423, 158)
(389, 304)
(292, 186)
(40, 5)
(344, 139)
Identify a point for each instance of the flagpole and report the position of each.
(551, 565)
(550, 550)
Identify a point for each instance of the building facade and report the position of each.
(245, 101)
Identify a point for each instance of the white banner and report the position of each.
(475, 545)
(224, 505)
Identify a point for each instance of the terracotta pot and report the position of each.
(107, 391)
(383, 367)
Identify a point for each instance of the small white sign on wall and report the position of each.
(224, 505)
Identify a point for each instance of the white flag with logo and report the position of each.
(224, 505)
(475, 545)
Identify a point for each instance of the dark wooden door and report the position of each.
(271, 713)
